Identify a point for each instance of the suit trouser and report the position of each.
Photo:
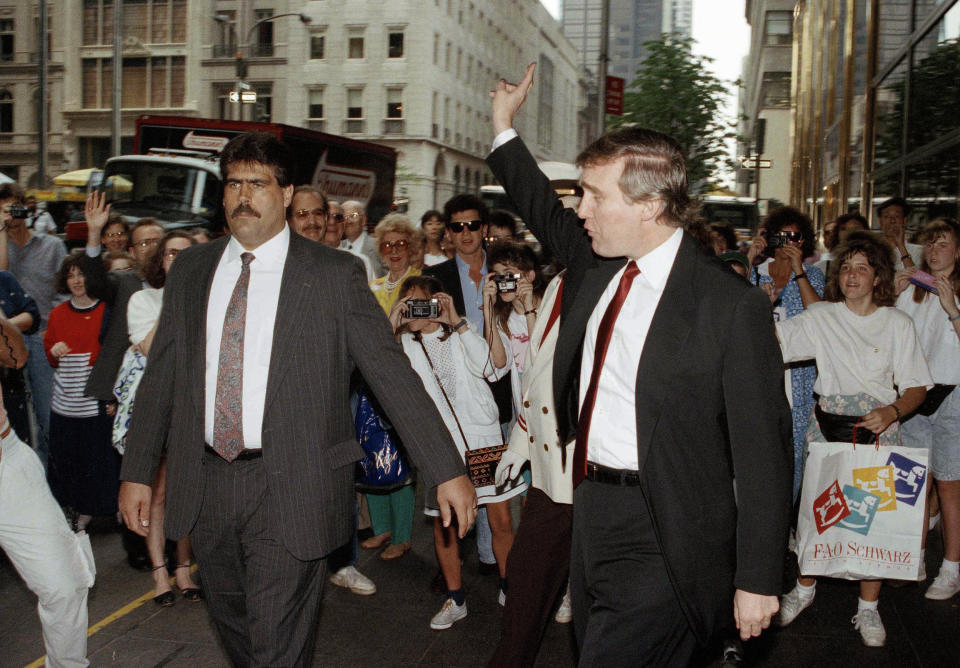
(264, 601)
(537, 571)
(625, 611)
(56, 563)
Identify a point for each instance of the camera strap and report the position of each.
(444, 392)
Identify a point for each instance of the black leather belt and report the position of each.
(245, 454)
(609, 476)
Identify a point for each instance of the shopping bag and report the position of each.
(125, 389)
(383, 465)
(862, 511)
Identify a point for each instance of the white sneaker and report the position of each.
(944, 586)
(565, 611)
(791, 605)
(502, 598)
(449, 614)
(870, 627)
(350, 578)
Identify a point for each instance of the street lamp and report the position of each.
(241, 63)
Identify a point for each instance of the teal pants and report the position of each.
(393, 512)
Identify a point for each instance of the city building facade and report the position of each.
(411, 74)
(764, 101)
(875, 99)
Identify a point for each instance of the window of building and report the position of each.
(6, 39)
(263, 47)
(317, 45)
(355, 45)
(221, 94)
(147, 82)
(354, 120)
(225, 34)
(545, 103)
(775, 89)
(393, 122)
(6, 111)
(395, 44)
(436, 49)
(446, 60)
(263, 109)
(778, 28)
(148, 21)
(315, 117)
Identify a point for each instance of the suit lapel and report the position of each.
(196, 318)
(663, 349)
(297, 285)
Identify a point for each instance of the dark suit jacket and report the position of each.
(709, 399)
(327, 324)
(114, 288)
(449, 276)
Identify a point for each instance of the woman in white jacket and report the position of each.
(453, 362)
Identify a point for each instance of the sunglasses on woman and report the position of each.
(472, 225)
(387, 246)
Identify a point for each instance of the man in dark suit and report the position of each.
(253, 407)
(668, 373)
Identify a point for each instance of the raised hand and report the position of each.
(508, 98)
(96, 211)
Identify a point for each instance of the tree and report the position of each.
(676, 94)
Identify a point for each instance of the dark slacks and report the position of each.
(264, 602)
(537, 570)
(625, 612)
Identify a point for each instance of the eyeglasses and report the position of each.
(115, 235)
(302, 214)
(387, 246)
(147, 243)
(170, 253)
(472, 225)
(337, 217)
(353, 215)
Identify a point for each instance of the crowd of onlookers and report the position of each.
(88, 317)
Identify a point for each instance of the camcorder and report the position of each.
(925, 281)
(506, 282)
(780, 239)
(423, 308)
(18, 211)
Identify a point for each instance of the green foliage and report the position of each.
(676, 94)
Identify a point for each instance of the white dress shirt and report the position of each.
(355, 247)
(263, 293)
(613, 430)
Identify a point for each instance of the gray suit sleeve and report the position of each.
(398, 388)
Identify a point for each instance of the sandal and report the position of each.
(167, 598)
(190, 593)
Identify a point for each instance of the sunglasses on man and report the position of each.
(472, 225)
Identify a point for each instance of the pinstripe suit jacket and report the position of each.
(327, 324)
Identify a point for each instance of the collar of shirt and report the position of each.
(270, 253)
(356, 245)
(464, 268)
(655, 266)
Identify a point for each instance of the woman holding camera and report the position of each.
(932, 304)
(511, 299)
(792, 287)
(870, 365)
(452, 362)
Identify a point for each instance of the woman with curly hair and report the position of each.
(870, 365)
(935, 426)
(398, 242)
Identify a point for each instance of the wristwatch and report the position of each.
(463, 321)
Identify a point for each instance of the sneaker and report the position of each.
(933, 521)
(791, 605)
(565, 611)
(870, 627)
(449, 614)
(944, 586)
(350, 578)
(502, 598)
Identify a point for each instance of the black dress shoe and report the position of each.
(487, 569)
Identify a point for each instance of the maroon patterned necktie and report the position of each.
(604, 332)
(228, 413)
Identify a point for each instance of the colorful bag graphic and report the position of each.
(859, 515)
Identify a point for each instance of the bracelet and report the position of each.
(463, 321)
(906, 256)
(534, 312)
(896, 410)
(802, 274)
(953, 318)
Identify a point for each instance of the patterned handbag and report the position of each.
(383, 464)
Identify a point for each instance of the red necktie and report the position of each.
(599, 354)
(228, 405)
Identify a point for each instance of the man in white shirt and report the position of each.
(668, 373)
(356, 240)
(252, 405)
(893, 221)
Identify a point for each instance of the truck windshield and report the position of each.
(159, 189)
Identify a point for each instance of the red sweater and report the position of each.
(78, 328)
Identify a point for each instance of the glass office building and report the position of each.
(876, 106)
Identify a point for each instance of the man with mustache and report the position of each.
(256, 417)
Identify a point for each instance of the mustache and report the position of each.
(243, 208)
